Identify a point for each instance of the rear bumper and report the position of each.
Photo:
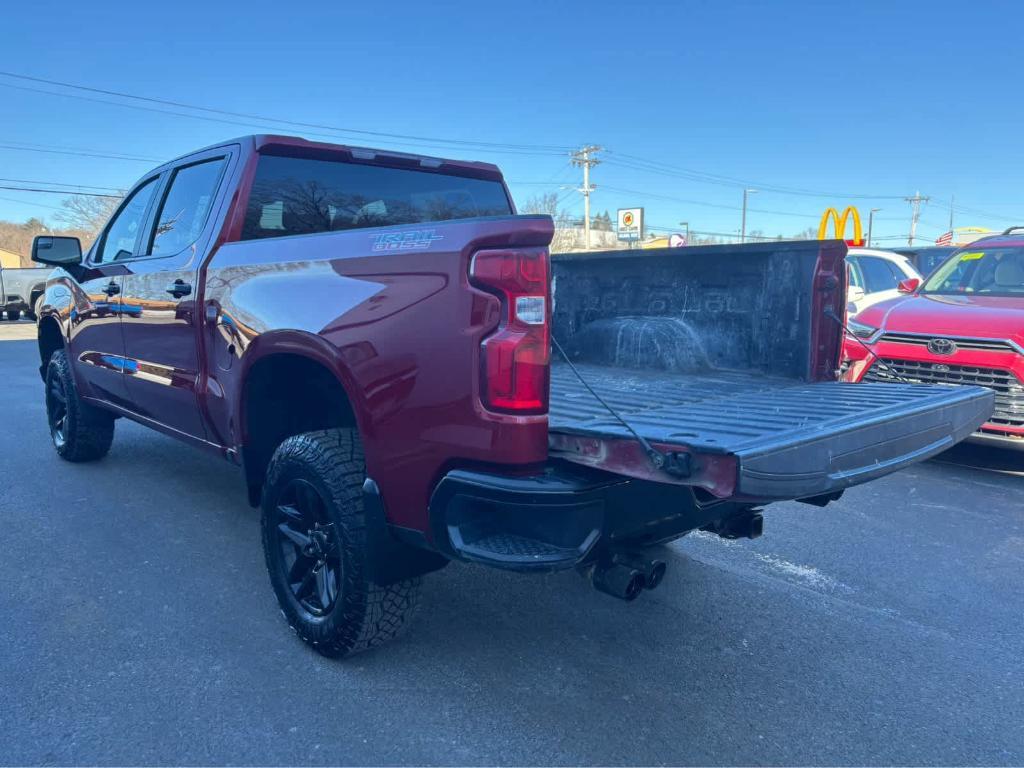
(544, 521)
(559, 517)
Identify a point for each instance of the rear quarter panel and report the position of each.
(391, 313)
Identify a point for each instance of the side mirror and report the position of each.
(57, 251)
(909, 285)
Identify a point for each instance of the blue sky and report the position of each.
(837, 99)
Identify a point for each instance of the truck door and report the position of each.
(95, 327)
(160, 302)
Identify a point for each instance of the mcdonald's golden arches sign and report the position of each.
(839, 225)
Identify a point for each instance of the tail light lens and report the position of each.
(515, 358)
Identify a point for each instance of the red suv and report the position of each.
(963, 325)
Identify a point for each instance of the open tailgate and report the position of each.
(786, 439)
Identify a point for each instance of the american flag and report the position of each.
(945, 239)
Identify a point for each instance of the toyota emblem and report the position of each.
(941, 346)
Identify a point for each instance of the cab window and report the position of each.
(299, 196)
(123, 232)
(185, 207)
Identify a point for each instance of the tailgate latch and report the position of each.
(672, 462)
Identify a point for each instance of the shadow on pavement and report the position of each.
(986, 457)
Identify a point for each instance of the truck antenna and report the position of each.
(673, 463)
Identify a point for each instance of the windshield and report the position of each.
(978, 270)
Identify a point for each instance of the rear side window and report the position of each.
(186, 207)
(878, 274)
(296, 196)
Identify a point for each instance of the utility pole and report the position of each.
(743, 224)
(584, 157)
(687, 225)
(952, 199)
(871, 222)
(915, 201)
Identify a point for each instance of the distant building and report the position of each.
(9, 259)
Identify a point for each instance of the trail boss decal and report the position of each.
(405, 241)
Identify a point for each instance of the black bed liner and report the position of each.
(836, 434)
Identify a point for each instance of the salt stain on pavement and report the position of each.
(807, 574)
(764, 564)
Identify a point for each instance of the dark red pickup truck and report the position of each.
(369, 335)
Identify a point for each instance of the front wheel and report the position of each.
(14, 315)
(80, 432)
(315, 544)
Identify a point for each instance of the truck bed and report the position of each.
(729, 352)
(791, 439)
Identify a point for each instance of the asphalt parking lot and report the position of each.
(137, 625)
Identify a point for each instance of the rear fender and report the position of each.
(302, 344)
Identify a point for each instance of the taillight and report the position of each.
(515, 357)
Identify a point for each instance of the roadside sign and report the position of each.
(631, 223)
(676, 241)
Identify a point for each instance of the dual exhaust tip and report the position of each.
(625, 576)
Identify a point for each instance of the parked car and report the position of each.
(368, 334)
(926, 259)
(20, 291)
(964, 325)
(875, 276)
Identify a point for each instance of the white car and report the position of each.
(874, 276)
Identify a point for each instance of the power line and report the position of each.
(639, 163)
(101, 155)
(722, 206)
(60, 192)
(32, 203)
(489, 145)
(630, 161)
(59, 183)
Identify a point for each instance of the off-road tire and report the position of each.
(364, 614)
(87, 431)
(14, 315)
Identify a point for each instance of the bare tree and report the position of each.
(565, 225)
(811, 233)
(544, 204)
(87, 213)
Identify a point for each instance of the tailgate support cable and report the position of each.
(831, 314)
(672, 463)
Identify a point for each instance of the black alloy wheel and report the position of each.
(309, 554)
(57, 410)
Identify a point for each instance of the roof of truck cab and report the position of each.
(260, 141)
